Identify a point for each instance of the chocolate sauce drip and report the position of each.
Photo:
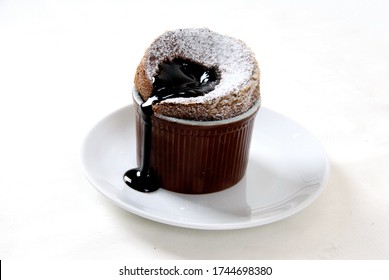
(176, 78)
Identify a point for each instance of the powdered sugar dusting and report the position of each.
(233, 59)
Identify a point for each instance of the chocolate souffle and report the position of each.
(196, 96)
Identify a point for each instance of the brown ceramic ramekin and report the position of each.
(197, 157)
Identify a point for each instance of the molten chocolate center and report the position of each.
(176, 78)
(181, 78)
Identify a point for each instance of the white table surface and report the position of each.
(64, 65)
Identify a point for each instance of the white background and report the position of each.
(64, 65)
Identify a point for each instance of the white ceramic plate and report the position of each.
(288, 169)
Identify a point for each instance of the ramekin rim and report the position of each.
(250, 112)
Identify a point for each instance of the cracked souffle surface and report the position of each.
(223, 83)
